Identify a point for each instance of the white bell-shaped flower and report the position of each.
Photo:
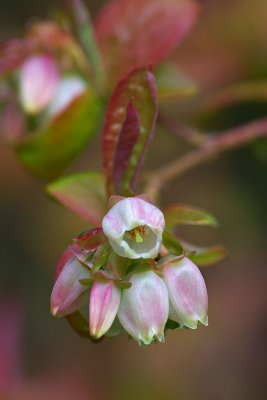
(144, 308)
(134, 228)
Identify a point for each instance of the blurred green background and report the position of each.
(40, 357)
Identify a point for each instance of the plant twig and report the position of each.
(184, 132)
(211, 148)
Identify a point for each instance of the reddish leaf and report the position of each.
(140, 86)
(142, 31)
(128, 137)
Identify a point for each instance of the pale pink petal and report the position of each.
(104, 304)
(187, 292)
(67, 295)
(144, 307)
(39, 78)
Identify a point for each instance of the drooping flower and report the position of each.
(38, 80)
(103, 307)
(68, 293)
(144, 307)
(134, 228)
(187, 293)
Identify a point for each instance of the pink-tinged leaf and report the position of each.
(139, 86)
(142, 31)
(205, 256)
(47, 152)
(83, 193)
(187, 215)
(127, 140)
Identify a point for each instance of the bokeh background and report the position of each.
(40, 357)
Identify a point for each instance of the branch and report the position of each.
(184, 132)
(211, 148)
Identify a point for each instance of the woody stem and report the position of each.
(211, 148)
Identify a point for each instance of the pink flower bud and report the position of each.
(69, 89)
(68, 293)
(103, 307)
(187, 292)
(144, 307)
(39, 78)
(134, 228)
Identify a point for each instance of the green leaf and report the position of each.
(88, 282)
(172, 244)
(187, 215)
(173, 85)
(206, 256)
(119, 265)
(139, 86)
(83, 193)
(101, 256)
(122, 284)
(49, 151)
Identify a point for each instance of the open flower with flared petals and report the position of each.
(187, 293)
(144, 307)
(134, 228)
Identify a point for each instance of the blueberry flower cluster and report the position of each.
(122, 276)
